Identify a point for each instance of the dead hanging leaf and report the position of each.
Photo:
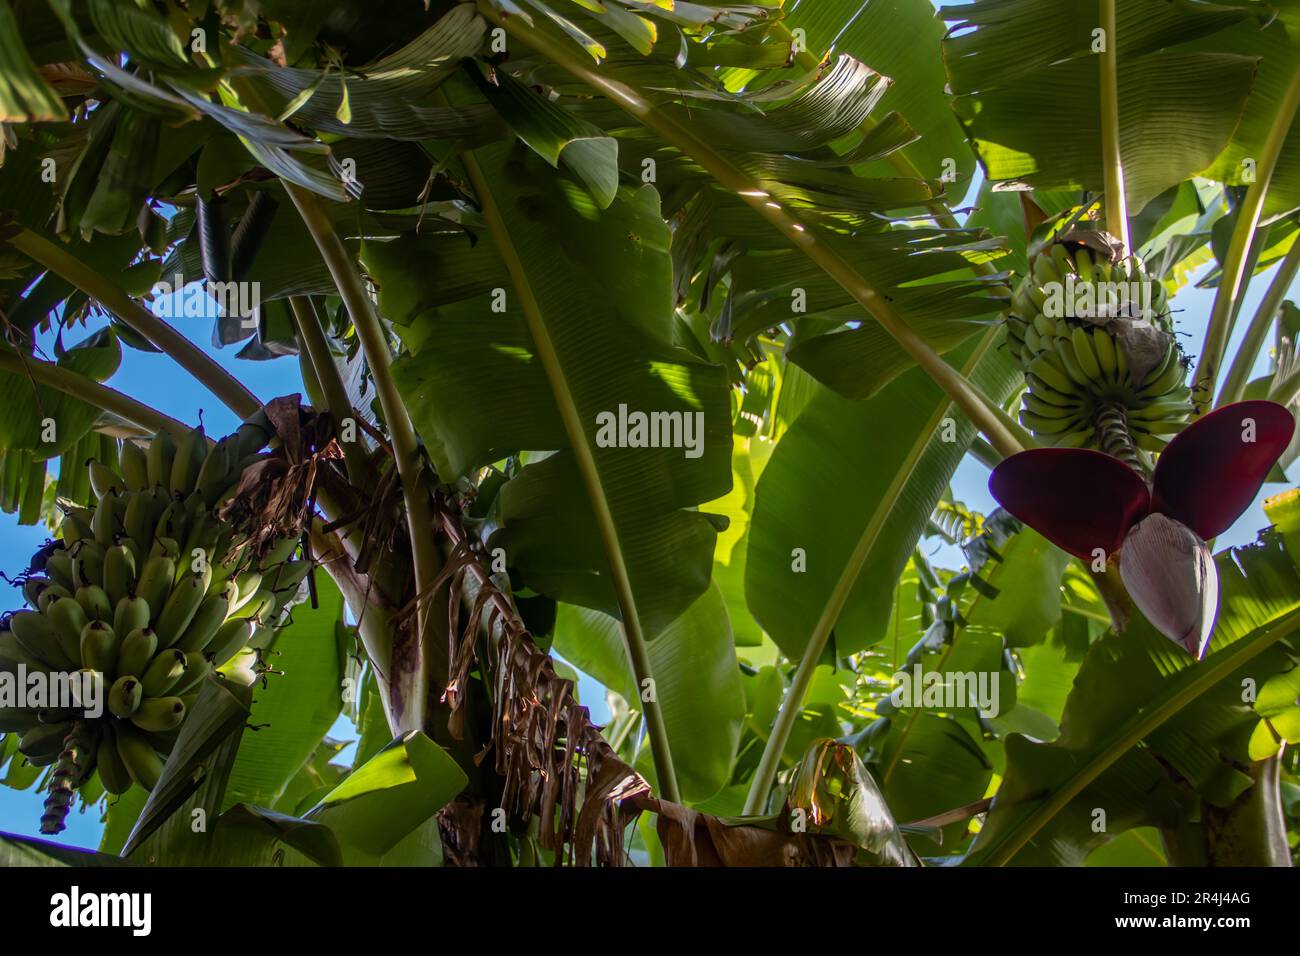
(1097, 241)
(555, 765)
(839, 797)
(1144, 345)
(275, 497)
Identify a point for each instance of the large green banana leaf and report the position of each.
(599, 284)
(886, 35)
(48, 422)
(850, 489)
(298, 705)
(1035, 118)
(1140, 687)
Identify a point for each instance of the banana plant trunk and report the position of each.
(1251, 831)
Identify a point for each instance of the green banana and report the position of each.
(135, 466)
(95, 602)
(131, 613)
(68, 619)
(125, 696)
(104, 523)
(99, 648)
(156, 582)
(137, 650)
(112, 771)
(230, 637)
(38, 637)
(44, 740)
(189, 459)
(142, 763)
(59, 567)
(163, 672)
(202, 628)
(119, 573)
(180, 608)
(104, 481)
(159, 714)
(159, 458)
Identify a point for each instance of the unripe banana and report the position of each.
(159, 458)
(137, 650)
(1045, 368)
(165, 547)
(189, 459)
(68, 619)
(118, 572)
(159, 714)
(13, 653)
(203, 626)
(87, 564)
(138, 756)
(112, 772)
(38, 637)
(59, 567)
(156, 583)
(72, 529)
(135, 466)
(33, 587)
(99, 648)
(104, 481)
(164, 672)
(258, 607)
(1065, 354)
(44, 740)
(125, 696)
(104, 523)
(141, 517)
(1086, 355)
(1045, 270)
(1108, 357)
(230, 637)
(94, 601)
(130, 614)
(181, 606)
(197, 668)
(50, 595)
(214, 476)
(1061, 259)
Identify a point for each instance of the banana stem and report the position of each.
(1234, 386)
(189, 356)
(1114, 436)
(406, 450)
(312, 338)
(1116, 201)
(1233, 280)
(92, 393)
(977, 407)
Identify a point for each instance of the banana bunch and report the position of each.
(141, 595)
(1094, 334)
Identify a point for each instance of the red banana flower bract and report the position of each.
(1092, 504)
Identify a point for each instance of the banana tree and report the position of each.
(646, 340)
